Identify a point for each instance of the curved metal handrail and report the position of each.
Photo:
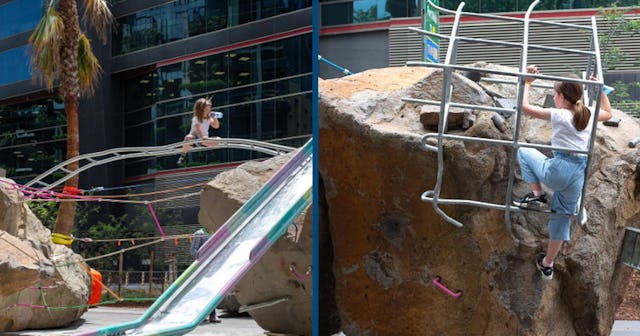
(116, 154)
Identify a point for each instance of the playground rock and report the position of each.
(400, 269)
(29, 279)
(277, 291)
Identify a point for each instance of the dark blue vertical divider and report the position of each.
(314, 101)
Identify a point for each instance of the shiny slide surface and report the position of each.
(228, 254)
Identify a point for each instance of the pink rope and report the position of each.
(50, 195)
(42, 287)
(155, 218)
(26, 305)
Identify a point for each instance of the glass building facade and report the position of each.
(187, 18)
(263, 89)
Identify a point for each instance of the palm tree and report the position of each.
(61, 52)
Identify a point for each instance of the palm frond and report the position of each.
(89, 68)
(98, 15)
(46, 40)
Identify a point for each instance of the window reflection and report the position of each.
(14, 65)
(352, 12)
(32, 138)
(181, 19)
(338, 12)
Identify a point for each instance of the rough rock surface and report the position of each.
(28, 274)
(270, 279)
(388, 245)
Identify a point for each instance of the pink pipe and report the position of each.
(292, 269)
(436, 281)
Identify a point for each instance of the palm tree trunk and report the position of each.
(70, 90)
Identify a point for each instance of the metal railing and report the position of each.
(593, 66)
(115, 154)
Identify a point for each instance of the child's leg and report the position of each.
(532, 164)
(210, 143)
(185, 147)
(552, 251)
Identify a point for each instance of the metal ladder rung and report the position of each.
(469, 106)
(453, 201)
(504, 43)
(501, 142)
(503, 72)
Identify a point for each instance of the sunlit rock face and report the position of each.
(34, 273)
(388, 245)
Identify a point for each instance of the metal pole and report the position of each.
(151, 261)
(120, 262)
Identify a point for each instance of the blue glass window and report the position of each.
(361, 11)
(15, 65)
(19, 16)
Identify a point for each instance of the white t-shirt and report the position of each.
(204, 127)
(564, 134)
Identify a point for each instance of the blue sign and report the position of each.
(431, 50)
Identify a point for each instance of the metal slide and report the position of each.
(228, 254)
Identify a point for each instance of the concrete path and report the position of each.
(99, 317)
(626, 328)
(104, 316)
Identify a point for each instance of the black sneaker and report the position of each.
(547, 272)
(531, 201)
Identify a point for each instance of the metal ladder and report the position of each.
(115, 154)
(593, 65)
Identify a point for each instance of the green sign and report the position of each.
(431, 23)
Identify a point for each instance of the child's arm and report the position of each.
(532, 110)
(605, 105)
(215, 123)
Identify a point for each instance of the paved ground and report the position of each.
(626, 328)
(99, 317)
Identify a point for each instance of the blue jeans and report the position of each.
(564, 173)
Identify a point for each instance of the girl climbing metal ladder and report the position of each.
(593, 66)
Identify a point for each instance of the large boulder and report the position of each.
(279, 281)
(35, 274)
(389, 246)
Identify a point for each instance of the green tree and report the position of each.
(62, 52)
(618, 24)
(613, 55)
